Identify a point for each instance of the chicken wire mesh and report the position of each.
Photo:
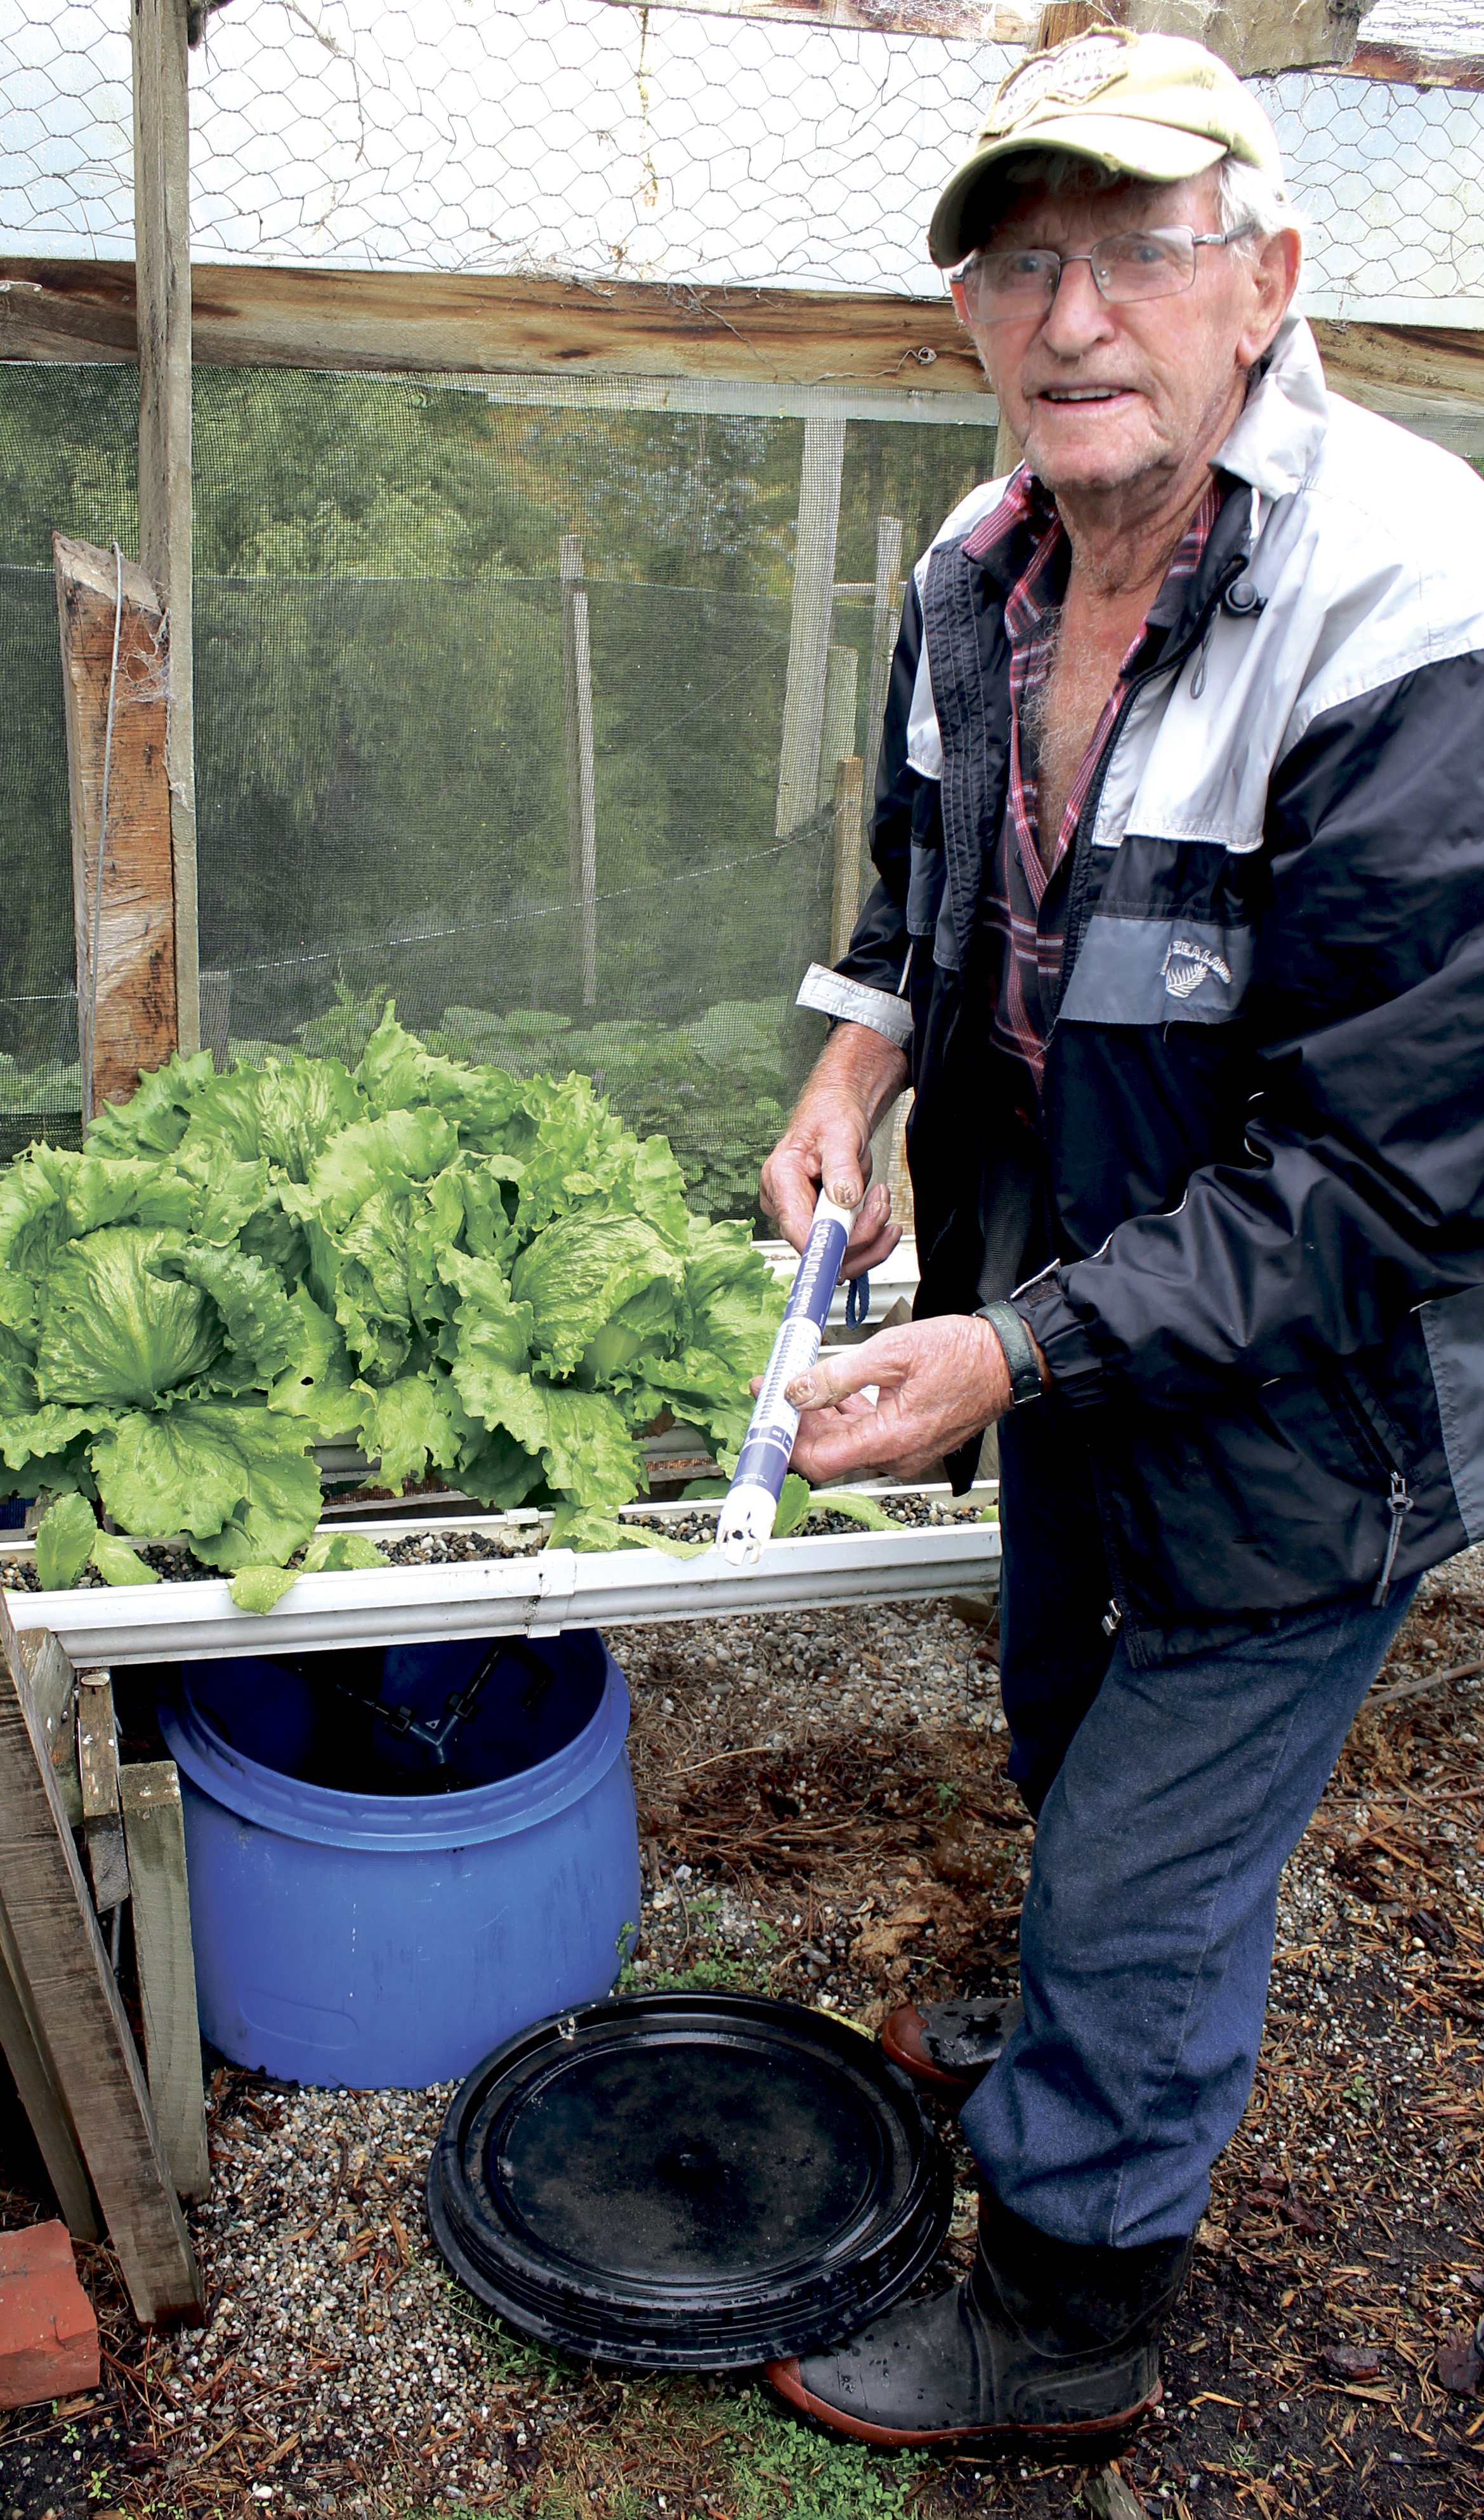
(576, 136)
(393, 794)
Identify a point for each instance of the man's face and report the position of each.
(1103, 396)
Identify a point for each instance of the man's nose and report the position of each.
(1078, 315)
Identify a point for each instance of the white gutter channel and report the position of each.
(536, 1596)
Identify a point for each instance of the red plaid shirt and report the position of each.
(1024, 900)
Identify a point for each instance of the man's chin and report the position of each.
(1089, 458)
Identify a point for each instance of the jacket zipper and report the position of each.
(1082, 847)
(1399, 1505)
(1398, 1496)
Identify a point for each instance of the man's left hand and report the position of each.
(938, 1385)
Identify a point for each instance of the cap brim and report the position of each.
(1120, 142)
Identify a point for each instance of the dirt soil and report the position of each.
(826, 1816)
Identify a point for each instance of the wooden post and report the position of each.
(54, 2130)
(581, 768)
(887, 605)
(98, 1771)
(819, 517)
(123, 891)
(162, 262)
(54, 1692)
(845, 890)
(154, 1826)
(837, 726)
(80, 2019)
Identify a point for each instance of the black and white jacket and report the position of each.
(1260, 1176)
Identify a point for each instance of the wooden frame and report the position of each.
(433, 323)
(63, 1991)
(115, 652)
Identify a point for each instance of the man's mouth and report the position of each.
(1081, 393)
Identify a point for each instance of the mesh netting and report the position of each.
(574, 136)
(383, 715)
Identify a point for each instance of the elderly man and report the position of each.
(1180, 835)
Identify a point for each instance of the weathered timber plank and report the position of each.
(54, 2130)
(74, 2003)
(1435, 361)
(98, 1776)
(154, 1826)
(1403, 66)
(54, 1690)
(162, 244)
(247, 315)
(132, 1024)
(432, 321)
(977, 21)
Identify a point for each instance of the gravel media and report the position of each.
(825, 1814)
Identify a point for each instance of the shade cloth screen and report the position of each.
(395, 716)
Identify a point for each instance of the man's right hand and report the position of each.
(826, 1145)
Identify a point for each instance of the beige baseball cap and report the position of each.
(1155, 105)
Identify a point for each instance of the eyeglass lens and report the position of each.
(1145, 263)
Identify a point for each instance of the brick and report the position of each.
(48, 2333)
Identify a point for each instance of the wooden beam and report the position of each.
(977, 21)
(116, 721)
(819, 517)
(75, 2002)
(581, 768)
(163, 243)
(845, 886)
(1402, 66)
(885, 613)
(98, 1771)
(43, 2104)
(154, 1826)
(55, 1694)
(430, 322)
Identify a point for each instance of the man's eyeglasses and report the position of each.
(1000, 287)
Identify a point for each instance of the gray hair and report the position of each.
(1252, 198)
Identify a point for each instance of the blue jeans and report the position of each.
(1169, 1799)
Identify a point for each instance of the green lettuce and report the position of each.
(466, 1272)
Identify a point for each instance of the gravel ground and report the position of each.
(826, 1816)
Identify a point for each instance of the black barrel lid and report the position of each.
(688, 2183)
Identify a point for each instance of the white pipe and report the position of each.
(537, 1596)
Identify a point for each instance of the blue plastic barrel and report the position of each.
(374, 1938)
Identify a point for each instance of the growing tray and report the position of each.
(534, 1593)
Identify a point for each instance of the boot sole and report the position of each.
(784, 2378)
(928, 2075)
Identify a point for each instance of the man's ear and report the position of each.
(1274, 271)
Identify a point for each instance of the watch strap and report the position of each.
(1019, 1351)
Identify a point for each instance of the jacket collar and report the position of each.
(1276, 440)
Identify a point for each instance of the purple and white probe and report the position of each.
(745, 1521)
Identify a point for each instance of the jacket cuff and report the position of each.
(1079, 1371)
(830, 993)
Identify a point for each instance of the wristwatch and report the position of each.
(1019, 1351)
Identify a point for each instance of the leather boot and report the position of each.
(1044, 2341)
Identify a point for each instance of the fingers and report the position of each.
(790, 1187)
(873, 1234)
(837, 1371)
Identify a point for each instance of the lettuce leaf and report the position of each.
(600, 1289)
(115, 1328)
(236, 1479)
(118, 1563)
(65, 1538)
